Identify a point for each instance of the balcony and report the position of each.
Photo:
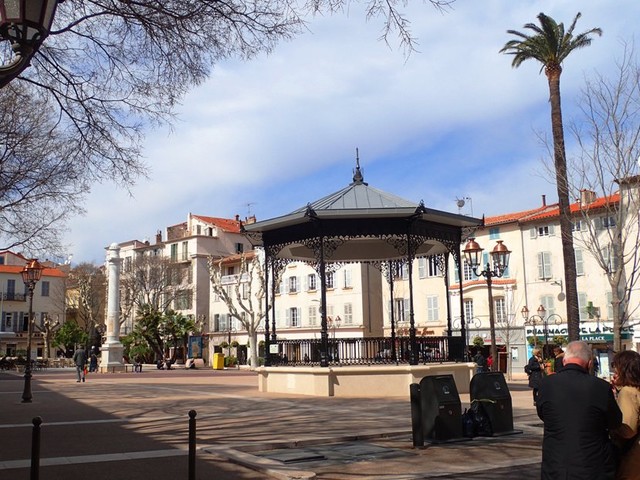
(233, 279)
(14, 297)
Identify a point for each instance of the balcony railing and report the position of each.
(14, 297)
(369, 351)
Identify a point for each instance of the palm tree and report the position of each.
(550, 45)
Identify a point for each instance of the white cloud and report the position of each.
(281, 130)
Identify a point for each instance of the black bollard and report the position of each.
(192, 444)
(416, 415)
(35, 448)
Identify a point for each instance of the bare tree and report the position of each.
(112, 69)
(243, 294)
(41, 182)
(608, 136)
(155, 282)
(86, 287)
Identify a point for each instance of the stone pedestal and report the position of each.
(111, 359)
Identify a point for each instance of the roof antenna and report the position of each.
(358, 179)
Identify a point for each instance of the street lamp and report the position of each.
(500, 259)
(31, 274)
(540, 318)
(24, 23)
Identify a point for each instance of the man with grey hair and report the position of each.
(578, 411)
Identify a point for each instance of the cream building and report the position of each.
(48, 303)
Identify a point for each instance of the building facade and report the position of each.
(48, 305)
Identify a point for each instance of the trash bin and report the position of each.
(218, 361)
(441, 409)
(490, 388)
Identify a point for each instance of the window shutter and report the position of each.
(540, 265)
(422, 267)
(579, 262)
(288, 317)
(305, 283)
(582, 305)
(533, 233)
(552, 229)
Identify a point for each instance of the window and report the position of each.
(500, 307)
(128, 264)
(494, 233)
(198, 229)
(330, 278)
(293, 284)
(422, 267)
(582, 306)
(11, 289)
(293, 317)
(174, 252)
(312, 281)
(608, 222)
(547, 302)
(183, 300)
(610, 257)
(245, 291)
(579, 262)
(577, 225)
(545, 230)
(401, 309)
(467, 272)
(313, 316)
(432, 308)
(347, 278)
(434, 269)
(239, 248)
(544, 265)
(185, 251)
(348, 314)
(400, 271)
(8, 319)
(44, 288)
(468, 310)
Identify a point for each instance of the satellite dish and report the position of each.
(460, 202)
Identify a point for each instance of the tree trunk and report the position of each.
(562, 186)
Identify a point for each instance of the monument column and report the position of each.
(111, 358)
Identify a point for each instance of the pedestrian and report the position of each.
(481, 362)
(535, 370)
(558, 359)
(489, 362)
(80, 360)
(137, 364)
(626, 381)
(579, 412)
(93, 360)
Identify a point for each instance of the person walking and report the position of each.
(626, 381)
(535, 370)
(93, 360)
(578, 411)
(80, 360)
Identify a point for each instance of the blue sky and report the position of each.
(452, 120)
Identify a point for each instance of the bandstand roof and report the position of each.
(365, 224)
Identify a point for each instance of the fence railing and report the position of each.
(369, 351)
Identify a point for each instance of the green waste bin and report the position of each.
(218, 361)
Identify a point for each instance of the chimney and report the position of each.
(587, 197)
(158, 237)
(250, 219)
(544, 200)
(237, 217)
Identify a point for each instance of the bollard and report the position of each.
(192, 444)
(35, 448)
(416, 415)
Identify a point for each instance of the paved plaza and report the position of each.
(135, 426)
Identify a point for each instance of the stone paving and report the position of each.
(135, 426)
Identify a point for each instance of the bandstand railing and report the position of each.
(368, 351)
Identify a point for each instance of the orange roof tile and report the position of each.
(46, 272)
(597, 204)
(513, 217)
(226, 224)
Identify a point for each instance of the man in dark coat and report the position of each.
(578, 411)
(80, 360)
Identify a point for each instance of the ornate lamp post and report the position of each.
(500, 259)
(31, 274)
(540, 318)
(24, 23)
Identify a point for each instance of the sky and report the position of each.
(451, 121)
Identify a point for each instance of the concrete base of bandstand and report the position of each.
(111, 360)
(354, 381)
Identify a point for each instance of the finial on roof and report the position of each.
(358, 179)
